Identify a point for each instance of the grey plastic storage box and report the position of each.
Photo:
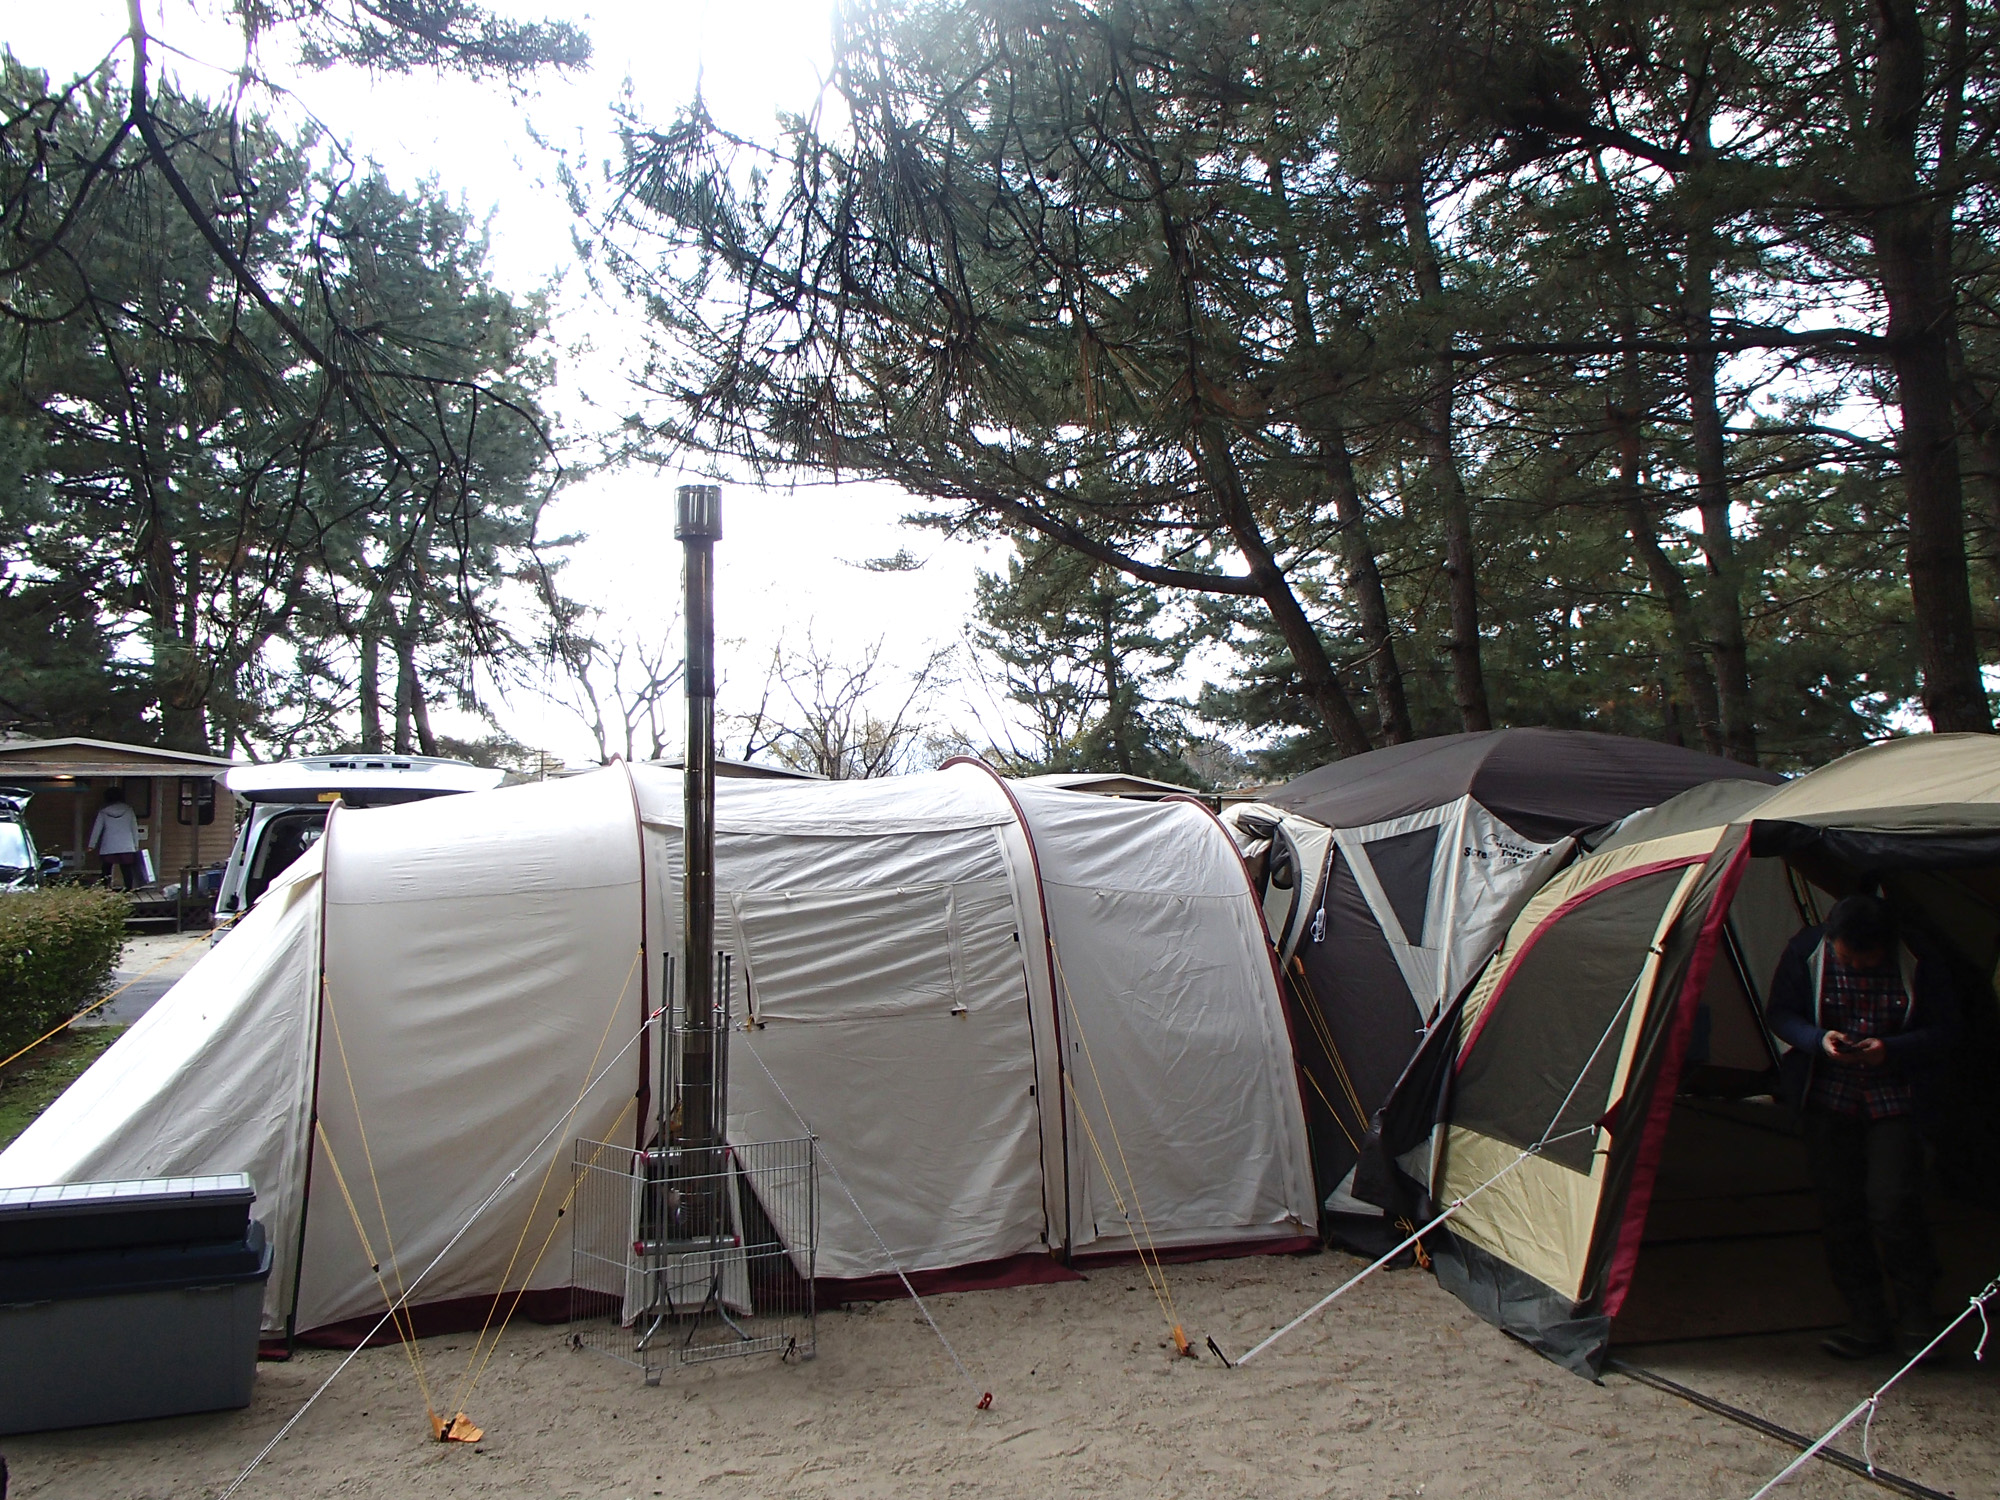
(121, 1301)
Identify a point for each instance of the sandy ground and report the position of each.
(1398, 1392)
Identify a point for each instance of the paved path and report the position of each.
(181, 952)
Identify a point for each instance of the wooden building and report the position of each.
(187, 817)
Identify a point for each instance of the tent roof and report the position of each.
(1926, 783)
(1111, 784)
(1543, 783)
(1714, 804)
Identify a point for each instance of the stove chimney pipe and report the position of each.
(697, 526)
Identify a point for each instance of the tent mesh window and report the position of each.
(682, 1256)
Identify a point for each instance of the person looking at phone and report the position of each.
(1869, 1019)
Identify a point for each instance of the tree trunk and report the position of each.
(1364, 579)
(1357, 549)
(1722, 596)
(1468, 677)
(1116, 709)
(1318, 682)
(406, 692)
(1908, 229)
(169, 604)
(413, 714)
(420, 710)
(1697, 685)
(371, 687)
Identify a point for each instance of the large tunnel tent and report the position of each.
(1602, 1097)
(1389, 878)
(955, 983)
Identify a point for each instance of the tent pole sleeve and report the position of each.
(1277, 973)
(644, 1095)
(312, 1107)
(1055, 1010)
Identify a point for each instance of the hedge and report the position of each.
(57, 949)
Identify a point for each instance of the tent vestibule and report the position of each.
(1621, 1025)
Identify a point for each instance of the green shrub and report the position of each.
(57, 949)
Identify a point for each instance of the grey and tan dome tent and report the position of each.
(1601, 1099)
(1389, 878)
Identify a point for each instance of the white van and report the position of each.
(289, 801)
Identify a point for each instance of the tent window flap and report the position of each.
(1562, 1017)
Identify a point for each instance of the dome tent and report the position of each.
(1612, 1070)
(921, 960)
(1389, 879)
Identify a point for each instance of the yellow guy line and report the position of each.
(375, 1267)
(1155, 1279)
(185, 947)
(589, 1078)
(547, 1240)
(1164, 1292)
(374, 1183)
(1323, 1029)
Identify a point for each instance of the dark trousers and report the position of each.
(1870, 1178)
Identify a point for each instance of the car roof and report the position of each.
(302, 779)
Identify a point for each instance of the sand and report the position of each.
(1398, 1392)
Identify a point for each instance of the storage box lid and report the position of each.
(75, 1274)
(112, 1215)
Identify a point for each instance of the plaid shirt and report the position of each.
(1861, 1004)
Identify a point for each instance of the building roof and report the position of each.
(78, 756)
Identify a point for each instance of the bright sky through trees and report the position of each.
(786, 561)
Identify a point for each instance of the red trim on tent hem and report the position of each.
(1588, 893)
(451, 1315)
(1653, 1135)
(1030, 1268)
(1178, 1255)
(554, 1305)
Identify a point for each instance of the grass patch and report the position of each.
(31, 1085)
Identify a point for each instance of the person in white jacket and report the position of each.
(115, 837)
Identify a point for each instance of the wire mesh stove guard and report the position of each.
(685, 1256)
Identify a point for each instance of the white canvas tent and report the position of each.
(956, 984)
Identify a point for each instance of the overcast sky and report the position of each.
(788, 561)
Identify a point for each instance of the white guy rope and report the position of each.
(1974, 1304)
(986, 1397)
(1369, 1270)
(397, 1306)
(1457, 1203)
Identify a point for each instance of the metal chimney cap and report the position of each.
(698, 513)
